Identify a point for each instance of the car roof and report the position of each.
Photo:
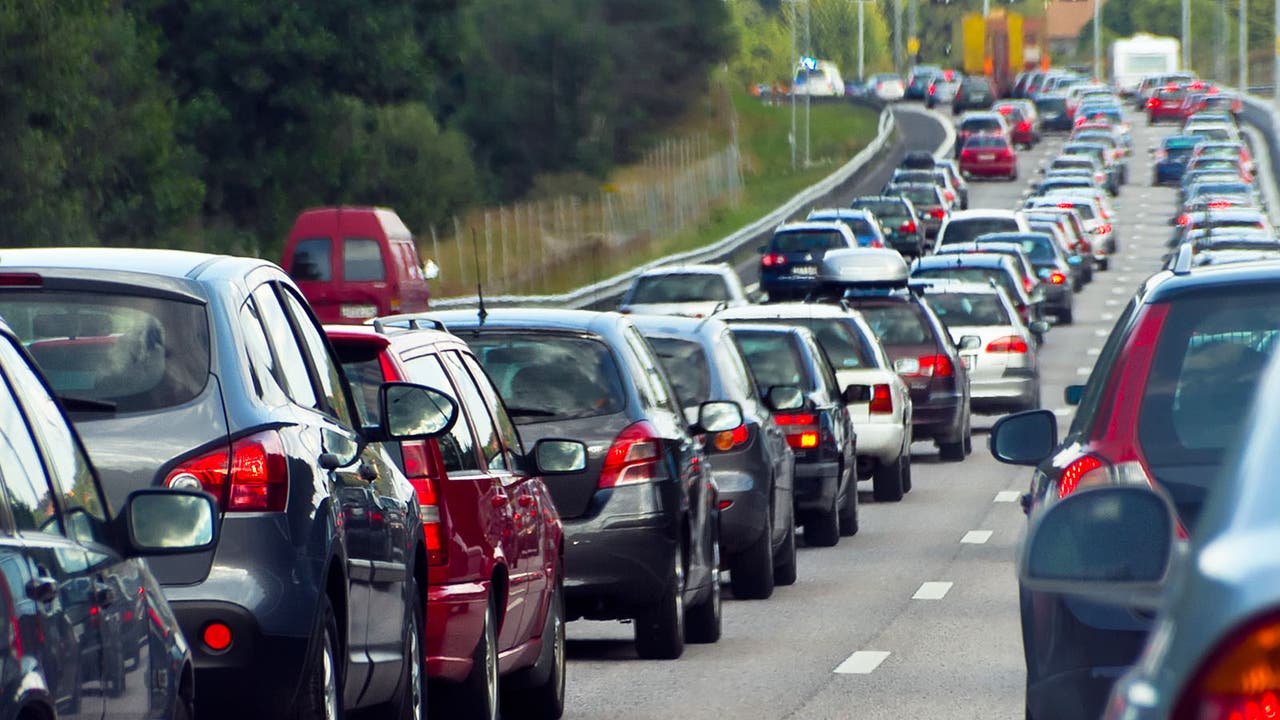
(552, 319)
(690, 269)
(989, 259)
(168, 263)
(1165, 286)
(784, 310)
(983, 214)
(708, 329)
(810, 225)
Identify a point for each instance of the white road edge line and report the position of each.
(1083, 370)
(862, 662)
(1093, 351)
(1008, 496)
(976, 537)
(932, 591)
(1063, 412)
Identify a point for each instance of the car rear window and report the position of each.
(920, 195)
(362, 260)
(969, 274)
(884, 210)
(773, 359)
(969, 309)
(964, 231)
(799, 241)
(985, 141)
(1211, 354)
(1054, 104)
(680, 288)
(312, 260)
(544, 377)
(139, 354)
(980, 125)
(843, 345)
(897, 323)
(686, 364)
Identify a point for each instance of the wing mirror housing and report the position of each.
(970, 342)
(559, 457)
(717, 416)
(165, 521)
(784, 398)
(1024, 438)
(856, 394)
(414, 412)
(1039, 327)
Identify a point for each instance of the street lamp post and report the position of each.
(1244, 46)
(862, 40)
(1186, 34)
(1097, 40)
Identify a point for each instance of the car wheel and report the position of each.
(660, 628)
(410, 702)
(887, 481)
(751, 571)
(822, 527)
(541, 693)
(1104, 264)
(906, 472)
(702, 625)
(1066, 317)
(1014, 176)
(476, 697)
(320, 697)
(968, 439)
(1034, 402)
(849, 513)
(784, 568)
(951, 451)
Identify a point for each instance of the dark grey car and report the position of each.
(197, 371)
(753, 467)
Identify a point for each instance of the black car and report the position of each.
(197, 371)
(902, 226)
(918, 79)
(931, 207)
(752, 465)
(1052, 266)
(975, 93)
(1052, 108)
(1163, 407)
(640, 523)
(876, 284)
(820, 431)
(85, 620)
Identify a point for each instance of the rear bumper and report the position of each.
(455, 619)
(941, 418)
(747, 514)
(990, 169)
(816, 485)
(1057, 297)
(882, 441)
(1003, 393)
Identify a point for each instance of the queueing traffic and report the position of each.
(349, 502)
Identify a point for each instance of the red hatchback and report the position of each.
(495, 602)
(1166, 104)
(989, 156)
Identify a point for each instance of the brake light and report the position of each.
(773, 260)
(1153, 103)
(1102, 229)
(1065, 205)
(1024, 126)
(1028, 284)
(937, 213)
(795, 419)
(1087, 468)
(1057, 278)
(250, 476)
(933, 366)
(801, 429)
(933, 89)
(1240, 680)
(881, 400)
(950, 196)
(907, 227)
(633, 457)
(1007, 344)
(20, 280)
(1183, 219)
(420, 466)
(730, 439)
(805, 440)
(1219, 204)
(1005, 110)
(966, 154)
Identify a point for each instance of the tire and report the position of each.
(1104, 264)
(702, 621)
(410, 700)
(951, 451)
(906, 474)
(541, 696)
(320, 697)
(849, 513)
(822, 527)
(784, 568)
(1066, 317)
(660, 628)
(476, 697)
(751, 571)
(887, 481)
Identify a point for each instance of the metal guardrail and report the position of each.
(1261, 113)
(595, 292)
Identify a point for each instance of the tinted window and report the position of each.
(312, 260)
(362, 260)
(797, 241)
(686, 365)
(474, 402)
(980, 125)
(458, 447)
(549, 377)
(143, 354)
(266, 374)
(327, 371)
(25, 482)
(774, 359)
(970, 274)
(963, 231)
(921, 196)
(884, 210)
(843, 345)
(734, 375)
(1056, 104)
(897, 324)
(961, 310)
(506, 429)
(291, 368)
(680, 287)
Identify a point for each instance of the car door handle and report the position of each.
(42, 589)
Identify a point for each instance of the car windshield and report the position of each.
(804, 241)
(969, 309)
(679, 288)
(965, 230)
(129, 353)
(897, 323)
(773, 359)
(548, 377)
(686, 364)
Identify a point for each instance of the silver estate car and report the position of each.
(689, 290)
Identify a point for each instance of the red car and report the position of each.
(1021, 128)
(989, 156)
(495, 572)
(1166, 104)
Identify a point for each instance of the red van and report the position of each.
(355, 263)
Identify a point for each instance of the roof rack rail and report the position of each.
(1182, 265)
(407, 321)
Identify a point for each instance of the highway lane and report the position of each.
(917, 615)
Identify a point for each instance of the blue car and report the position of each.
(1172, 157)
(789, 262)
(864, 224)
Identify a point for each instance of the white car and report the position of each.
(965, 225)
(883, 417)
(887, 87)
(689, 290)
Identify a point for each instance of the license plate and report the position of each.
(358, 312)
(805, 270)
(986, 157)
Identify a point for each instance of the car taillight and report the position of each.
(907, 227)
(20, 280)
(937, 213)
(933, 366)
(933, 90)
(950, 196)
(419, 469)
(1102, 229)
(1219, 204)
(1240, 679)
(773, 260)
(881, 400)
(1028, 284)
(966, 154)
(730, 439)
(633, 457)
(1007, 344)
(1057, 278)
(1024, 126)
(250, 476)
(801, 429)
(1153, 103)
(1183, 219)
(1115, 456)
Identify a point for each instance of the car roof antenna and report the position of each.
(475, 255)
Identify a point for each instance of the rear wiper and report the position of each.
(78, 404)
(528, 412)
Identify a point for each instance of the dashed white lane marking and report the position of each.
(1107, 316)
(1126, 268)
(1007, 496)
(1123, 278)
(1118, 291)
(1101, 333)
(1113, 302)
(752, 287)
(1084, 370)
(1093, 351)
(1062, 412)
(976, 537)
(932, 591)
(862, 662)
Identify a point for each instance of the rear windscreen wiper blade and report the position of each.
(78, 404)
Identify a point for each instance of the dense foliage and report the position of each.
(210, 123)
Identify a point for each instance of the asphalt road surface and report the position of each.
(917, 615)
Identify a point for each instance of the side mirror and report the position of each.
(1074, 259)
(1039, 327)
(1072, 394)
(1024, 438)
(906, 366)
(1112, 544)
(414, 412)
(718, 416)
(970, 342)
(165, 521)
(782, 398)
(558, 457)
(857, 394)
